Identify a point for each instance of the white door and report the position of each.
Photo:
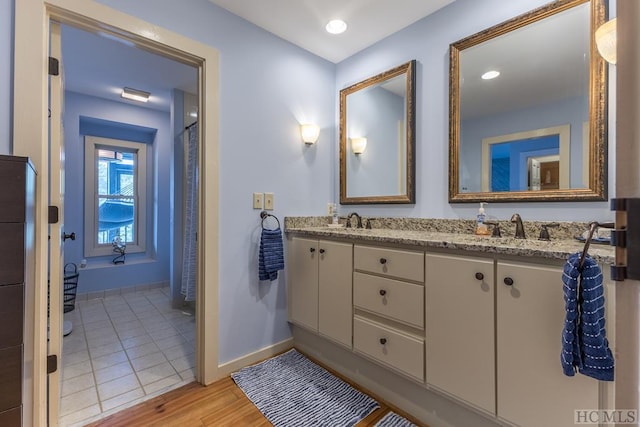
(56, 230)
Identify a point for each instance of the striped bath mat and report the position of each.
(291, 390)
(394, 420)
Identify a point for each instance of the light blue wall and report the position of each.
(267, 88)
(6, 75)
(573, 111)
(152, 267)
(374, 113)
(428, 41)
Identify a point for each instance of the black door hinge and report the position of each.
(52, 363)
(53, 215)
(54, 66)
(628, 239)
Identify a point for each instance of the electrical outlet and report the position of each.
(268, 201)
(329, 209)
(257, 200)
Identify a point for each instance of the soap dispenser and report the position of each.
(481, 227)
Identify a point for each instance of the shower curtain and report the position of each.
(189, 252)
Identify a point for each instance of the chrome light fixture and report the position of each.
(310, 133)
(135, 94)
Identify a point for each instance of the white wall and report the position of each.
(428, 41)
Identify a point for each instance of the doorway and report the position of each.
(133, 334)
(30, 131)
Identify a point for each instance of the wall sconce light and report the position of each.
(606, 41)
(310, 133)
(358, 145)
(135, 94)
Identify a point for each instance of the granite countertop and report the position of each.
(559, 248)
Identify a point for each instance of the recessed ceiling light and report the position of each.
(336, 26)
(490, 75)
(135, 94)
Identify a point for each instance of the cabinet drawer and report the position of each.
(12, 253)
(399, 350)
(390, 298)
(10, 377)
(401, 264)
(11, 417)
(11, 315)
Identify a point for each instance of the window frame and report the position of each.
(92, 145)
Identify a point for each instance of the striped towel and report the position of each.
(271, 255)
(584, 342)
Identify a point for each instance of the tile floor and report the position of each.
(124, 349)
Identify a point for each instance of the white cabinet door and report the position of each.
(459, 328)
(532, 389)
(302, 281)
(335, 310)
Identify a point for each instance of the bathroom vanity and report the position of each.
(474, 319)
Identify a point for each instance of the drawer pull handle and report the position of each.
(312, 250)
(383, 292)
(321, 251)
(383, 261)
(479, 276)
(383, 341)
(508, 281)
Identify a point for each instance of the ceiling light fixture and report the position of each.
(336, 26)
(490, 75)
(135, 94)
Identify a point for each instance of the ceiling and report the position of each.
(302, 22)
(101, 65)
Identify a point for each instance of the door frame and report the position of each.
(30, 138)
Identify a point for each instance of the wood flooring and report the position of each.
(219, 404)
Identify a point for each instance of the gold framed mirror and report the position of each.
(377, 138)
(528, 108)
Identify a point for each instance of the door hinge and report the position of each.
(627, 240)
(54, 66)
(52, 363)
(53, 214)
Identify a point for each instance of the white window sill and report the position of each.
(107, 263)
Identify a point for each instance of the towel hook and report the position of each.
(265, 215)
(593, 226)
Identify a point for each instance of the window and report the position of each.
(115, 195)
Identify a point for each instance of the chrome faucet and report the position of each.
(359, 224)
(519, 227)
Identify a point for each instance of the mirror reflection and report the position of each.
(376, 138)
(528, 110)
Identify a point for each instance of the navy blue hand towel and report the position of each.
(271, 255)
(584, 341)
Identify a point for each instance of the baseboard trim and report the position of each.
(255, 357)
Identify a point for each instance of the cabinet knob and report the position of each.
(383, 292)
(383, 261)
(321, 251)
(383, 341)
(312, 250)
(508, 281)
(479, 276)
